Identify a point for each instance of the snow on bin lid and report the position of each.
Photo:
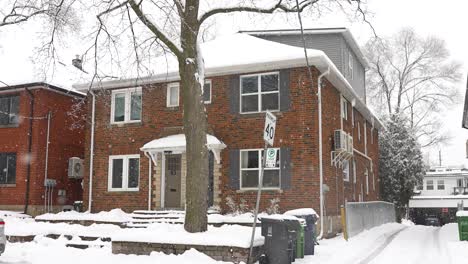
(462, 213)
(302, 212)
(282, 217)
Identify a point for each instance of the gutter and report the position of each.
(29, 159)
(46, 170)
(319, 95)
(91, 151)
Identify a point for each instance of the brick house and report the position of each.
(139, 147)
(28, 114)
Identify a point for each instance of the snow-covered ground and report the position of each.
(389, 243)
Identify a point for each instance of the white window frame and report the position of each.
(128, 104)
(351, 65)
(125, 159)
(354, 170)
(258, 169)
(259, 92)
(346, 170)
(365, 137)
(432, 184)
(438, 184)
(344, 108)
(352, 115)
(168, 94)
(208, 81)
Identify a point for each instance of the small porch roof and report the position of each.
(177, 144)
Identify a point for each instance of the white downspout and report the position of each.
(46, 170)
(91, 151)
(319, 95)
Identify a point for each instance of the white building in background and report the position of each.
(442, 187)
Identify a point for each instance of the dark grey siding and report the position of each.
(336, 48)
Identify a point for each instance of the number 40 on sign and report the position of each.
(270, 126)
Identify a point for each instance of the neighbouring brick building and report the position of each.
(139, 147)
(24, 122)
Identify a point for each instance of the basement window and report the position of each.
(7, 168)
(126, 105)
(9, 110)
(124, 172)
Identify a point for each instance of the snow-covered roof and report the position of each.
(346, 33)
(178, 143)
(40, 85)
(242, 53)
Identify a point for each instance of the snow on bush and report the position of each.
(112, 216)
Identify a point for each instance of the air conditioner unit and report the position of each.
(75, 168)
(350, 144)
(341, 141)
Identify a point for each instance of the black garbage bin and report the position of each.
(310, 218)
(280, 236)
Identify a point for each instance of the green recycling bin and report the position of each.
(300, 243)
(462, 219)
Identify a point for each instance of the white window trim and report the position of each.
(359, 131)
(168, 95)
(124, 175)
(352, 115)
(211, 91)
(258, 169)
(430, 184)
(351, 65)
(344, 108)
(365, 137)
(354, 170)
(443, 184)
(128, 101)
(259, 92)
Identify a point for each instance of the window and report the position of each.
(207, 92)
(419, 187)
(354, 170)
(351, 66)
(440, 185)
(344, 108)
(251, 163)
(367, 181)
(365, 137)
(459, 182)
(352, 115)
(372, 135)
(172, 99)
(346, 170)
(259, 92)
(9, 109)
(7, 168)
(429, 185)
(124, 172)
(126, 106)
(359, 131)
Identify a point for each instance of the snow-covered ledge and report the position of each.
(176, 144)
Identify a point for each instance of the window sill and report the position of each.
(277, 113)
(172, 108)
(256, 190)
(9, 126)
(123, 124)
(10, 185)
(123, 190)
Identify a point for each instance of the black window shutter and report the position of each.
(234, 169)
(285, 156)
(234, 93)
(285, 100)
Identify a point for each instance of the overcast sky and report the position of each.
(445, 19)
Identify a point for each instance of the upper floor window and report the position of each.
(359, 131)
(429, 185)
(9, 110)
(124, 172)
(207, 92)
(366, 174)
(346, 170)
(344, 108)
(126, 105)
(251, 164)
(259, 92)
(351, 66)
(7, 168)
(440, 185)
(172, 97)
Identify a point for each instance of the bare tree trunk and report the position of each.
(195, 124)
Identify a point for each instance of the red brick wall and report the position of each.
(65, 142)
(297, 128)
